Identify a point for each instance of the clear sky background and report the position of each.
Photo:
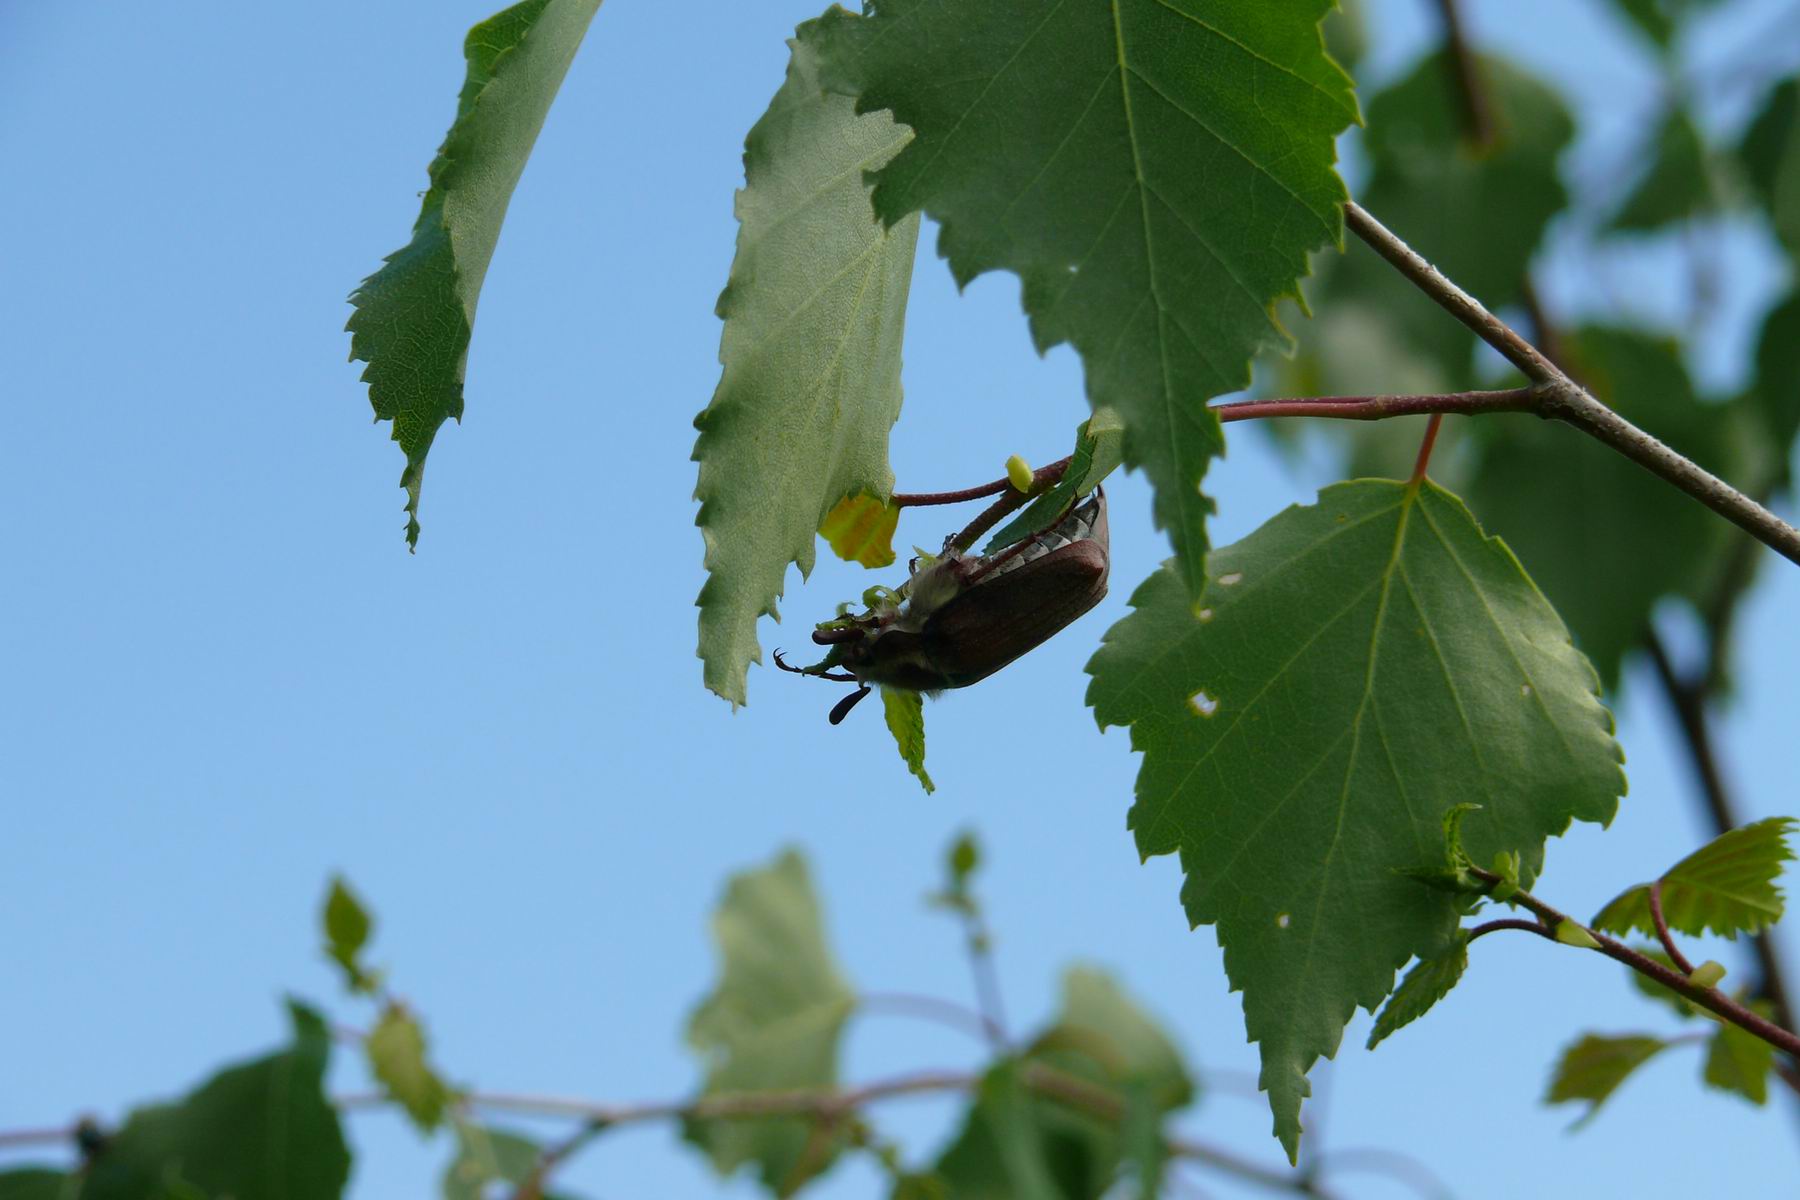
(225, 678)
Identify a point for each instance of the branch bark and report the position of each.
(1561, 398)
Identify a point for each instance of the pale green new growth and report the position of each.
(414, 317)
(347, 926)
(1369, 663)
(1155, 171)
(1593, 1068)
(1099, 445)
(773, 1021)
(1429, 981)
(1727, 886)
(397, 1059)
(905, 712)
(814, 311)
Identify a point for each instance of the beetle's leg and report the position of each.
(782, 663)
(842, 708)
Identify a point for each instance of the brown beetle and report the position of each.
(960, 618)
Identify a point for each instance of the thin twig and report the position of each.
(1709, 998)
(929, 1008)
(1052, 471)
(980, 947)
(1488, 927)
(1662, 931)
(532, 1187)
(1381, 408)
(38, 1137)
(1425, 445)
(1563, 399)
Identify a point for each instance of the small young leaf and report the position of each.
(1340, 644)
(860, 529)
(1770, 154)
(1707, 974)
(962, 861)
(1155, 171)
(1099, 442)
(814, 311)
(1727, 886)
(486, 1157)
(1593, 1068)
(397, 1058)
(263, 1128)
(1571, 933)
(774, 1019)
(414, 316)
(1739, 1061)
(1429, 981)
(347, 925)
(905, 711)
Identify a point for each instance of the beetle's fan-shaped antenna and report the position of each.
(842, 708)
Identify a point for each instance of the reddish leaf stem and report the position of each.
(1047, 474)
(1425, 445)
(1662, 931)
(1381, 408)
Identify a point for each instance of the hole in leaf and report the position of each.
(1204, 614)
(1230, 577)
(1203, 704)
(1525, 689)
(1282, 920)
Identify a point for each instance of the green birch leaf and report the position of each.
(1356, 670)
(1661, 20)
(1000, 1151)
(1429, 981)
(814, 310)
(774, 1019)
(1727, 886)
(414, 317)
(1099, 448)
(259, 1131)
(34, 1183)
(1102, 1035)
(1609, 539)
(397, 1059)
(1770, 155)
(1155, 171)
(486, 1157)
(1739, 1061)
(1777, 395)
(905, 712)
(1678, 184)
(347, 926)
(1593, 1068)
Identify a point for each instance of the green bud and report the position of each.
(1569, 933)
(1019, 472)
(1707, 974)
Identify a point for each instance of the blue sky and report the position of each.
(228, 679)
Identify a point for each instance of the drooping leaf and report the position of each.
(1777, 394)
(1155, 171)
(814, 311)
(1678, 182)
(414, 316)
(259, 1131)
(39, 1183)
(1429, 981)
(1018, 1142)
(347, 926)
(1770, 154)
(1593, 1068)
(1661, 20)
(1739, 1061)
(1356, 669)
(905, 712)
(860, 529)
(1099, 448)
(398, 1060)
(1604, 538)
(1727, 886)
(486, 1157)
(773, 1021)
